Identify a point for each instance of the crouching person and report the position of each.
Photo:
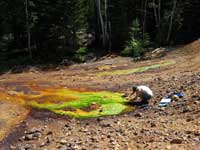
(142, 92)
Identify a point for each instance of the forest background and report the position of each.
(56, 31)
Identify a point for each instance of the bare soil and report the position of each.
(174, 127)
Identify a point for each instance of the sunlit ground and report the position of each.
(16, 104)
(135, 70)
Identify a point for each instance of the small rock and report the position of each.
(169, 147)
(106, 125)
(96, 147)
(185, 138)
(70, 145)
(135, 133)
(76, 147)
(186, 109)
(152, 124)
(93, 139)
(197, 139)
(176, 141)
(99, 119)
(67, 126)
(189, 119)
(49, 133)
(197, 133)
(85, 130)
(112, 140)
(138, 115)
(63, 142)
(34, 130)
(196, 102)
(28, 137)
(62, 147)
(119, 130)
(195, 96)
(27, 146)
(37, 135)
(12, 147)
(45, 143)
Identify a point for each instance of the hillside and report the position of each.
(174, 127)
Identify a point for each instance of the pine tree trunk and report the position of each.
(107, 36)
(144, 19)
(28, 29)
(155, 13)
(171, 21)
(159, 21)
(98, 4)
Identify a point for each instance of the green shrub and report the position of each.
(81, 53)
(82, 50)
(135, 46)
(79, 58)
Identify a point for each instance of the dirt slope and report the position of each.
(190, 55)
(174, 127)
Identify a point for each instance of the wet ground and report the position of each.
(174, 127)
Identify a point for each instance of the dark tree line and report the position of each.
(55, 29)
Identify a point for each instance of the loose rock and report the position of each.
(176, 141)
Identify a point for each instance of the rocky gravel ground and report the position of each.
(174, 127)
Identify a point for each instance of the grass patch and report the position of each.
(134, 70)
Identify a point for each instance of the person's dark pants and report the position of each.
(145, 99)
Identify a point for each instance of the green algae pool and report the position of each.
(74, 103)
(135, 70)
(80, 104)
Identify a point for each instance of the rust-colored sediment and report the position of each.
(14, 105)
(11, 114)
